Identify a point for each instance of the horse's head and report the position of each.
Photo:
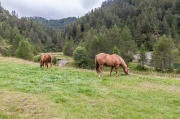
(126, 70)
(41, 63)
(123, 64)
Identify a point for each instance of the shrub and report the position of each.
(37, 58)
(178, 71)
(80, 57)
(54, 60)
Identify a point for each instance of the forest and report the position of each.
(55, 23)
(118, 26)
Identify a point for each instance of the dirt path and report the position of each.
(148, 56)
(62, 62)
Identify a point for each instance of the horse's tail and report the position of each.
(96, 64)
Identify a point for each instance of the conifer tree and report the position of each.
(69, 47)
(164, 53)
(142, 57)
(24, 50)
(116, 50)
(127, 45)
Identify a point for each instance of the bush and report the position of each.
(37, 58)
(54, 60)
(178, 71)
(80, 57)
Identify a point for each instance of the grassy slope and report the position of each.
(26, 91)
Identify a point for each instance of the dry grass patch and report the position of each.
(24, 105)
(15, 60)
(151, 86)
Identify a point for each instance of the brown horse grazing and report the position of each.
(110, 60)
(46, 58)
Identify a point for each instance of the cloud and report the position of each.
(51, 9)
(87, 4)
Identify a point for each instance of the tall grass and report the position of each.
(28, 91)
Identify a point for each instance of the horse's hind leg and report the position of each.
(111, 70)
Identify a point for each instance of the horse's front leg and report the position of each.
(111, 70)
(43, 64)
(51, 65)
(46, 64)
(117, 70)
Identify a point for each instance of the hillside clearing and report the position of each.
(27, 91)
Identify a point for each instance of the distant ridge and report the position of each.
(55, 23)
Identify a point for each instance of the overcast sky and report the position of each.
(51, 9)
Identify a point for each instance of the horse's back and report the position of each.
(46, 57)
(106, 59)
(101, 57)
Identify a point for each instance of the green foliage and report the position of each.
(15, 43)
(58, 24)
(116, 50)
(12, 29)
(99, 43)
(54, 60)
(68, 48)
(164, 53)
(127, 45)
(24, 50)
(37, 58)
(143, 18)
(178, 71)
(142, 57)
(80, 57)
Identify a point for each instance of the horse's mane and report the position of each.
(123, 64)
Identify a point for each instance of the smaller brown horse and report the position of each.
(110, 60)
(46, 58)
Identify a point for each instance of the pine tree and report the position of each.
(69, 47)
(164, 53)
(142, 57)
(127, 45)
(24, 50)
(15, 44)
(116, 50)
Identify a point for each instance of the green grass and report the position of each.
(27, 91)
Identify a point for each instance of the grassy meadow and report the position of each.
(30, 92)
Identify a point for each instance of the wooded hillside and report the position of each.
(55, 23)
(146, 20)
(39, 37)
(125, 25)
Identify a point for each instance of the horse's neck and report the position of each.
(123, 64)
